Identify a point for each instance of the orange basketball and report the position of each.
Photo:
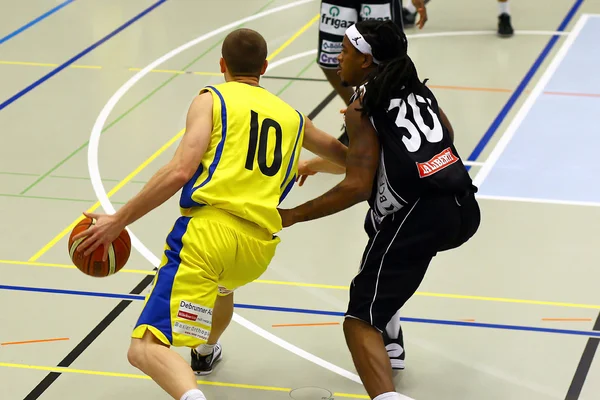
(92, 265)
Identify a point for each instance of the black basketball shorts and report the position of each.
(339, 15)
(400, 249)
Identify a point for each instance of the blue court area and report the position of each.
(555, 152)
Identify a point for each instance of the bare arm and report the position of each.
(324, 145)
(361, 166)
(171, 177)
(319, 164)
(162, 186)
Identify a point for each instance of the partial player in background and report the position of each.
(235, 164)
(338, 15)
(505, 29)
(402, 161)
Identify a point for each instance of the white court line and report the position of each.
(484, 33)
(289, 59)
(535, 200)
(529, 103)
(473, 163)
(426, 36)
(100, 191)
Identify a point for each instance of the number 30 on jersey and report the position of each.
(417, 124)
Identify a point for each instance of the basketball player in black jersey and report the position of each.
(338, 15)
(402, 160)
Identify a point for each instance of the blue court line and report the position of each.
(523, 85)
(315, 312)
(78, 56)
(35, 21)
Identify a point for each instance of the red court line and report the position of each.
(315, 324)
(34, 341)
(471, 88)
(574, 94)
(504, 90)
(467, 320)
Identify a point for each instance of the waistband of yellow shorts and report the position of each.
(233, 221)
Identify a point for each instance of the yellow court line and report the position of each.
(294, 36)
(129, 177)
(67, 266)
(162, 71)
(51, 65)
(507, 300)
(29, 64)
(339, 287)
(114, 190)
(145, 377)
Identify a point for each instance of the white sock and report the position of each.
(205, 349)
(410, 6)
(195, 394)
(504, 9)
(389, 396)
(393, 327)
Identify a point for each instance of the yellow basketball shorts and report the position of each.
(207, 253)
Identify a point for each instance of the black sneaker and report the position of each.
(203, 365)
(505, 28)
(395, 350)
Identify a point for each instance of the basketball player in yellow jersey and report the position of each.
(236, 162)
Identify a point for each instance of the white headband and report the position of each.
(358, 41)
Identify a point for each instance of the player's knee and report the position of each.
(136, 353)
(140, 350)
(355, 327)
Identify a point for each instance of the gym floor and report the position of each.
(94, 96)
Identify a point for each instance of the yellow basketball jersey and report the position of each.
(252, 159)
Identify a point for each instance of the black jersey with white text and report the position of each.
(417, 155)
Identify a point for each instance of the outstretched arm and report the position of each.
(163, 185)
(361, 166)
(324, 145)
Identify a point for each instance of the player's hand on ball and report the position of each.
(420, 6)
(106, 229)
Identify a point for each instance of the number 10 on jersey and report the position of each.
(260, 138)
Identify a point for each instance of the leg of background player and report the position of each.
(409, 13)
(335, 81)
(167, 368)
(370, 358)
(505, 28)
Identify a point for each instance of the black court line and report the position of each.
(292, 78)
(87, 341)
(321, 106)
(584, 366)
(118, 310)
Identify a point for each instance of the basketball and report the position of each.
(92, 265)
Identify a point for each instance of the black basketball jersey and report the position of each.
(417, 156)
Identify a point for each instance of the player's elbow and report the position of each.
(358, 190)
(182, 175)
